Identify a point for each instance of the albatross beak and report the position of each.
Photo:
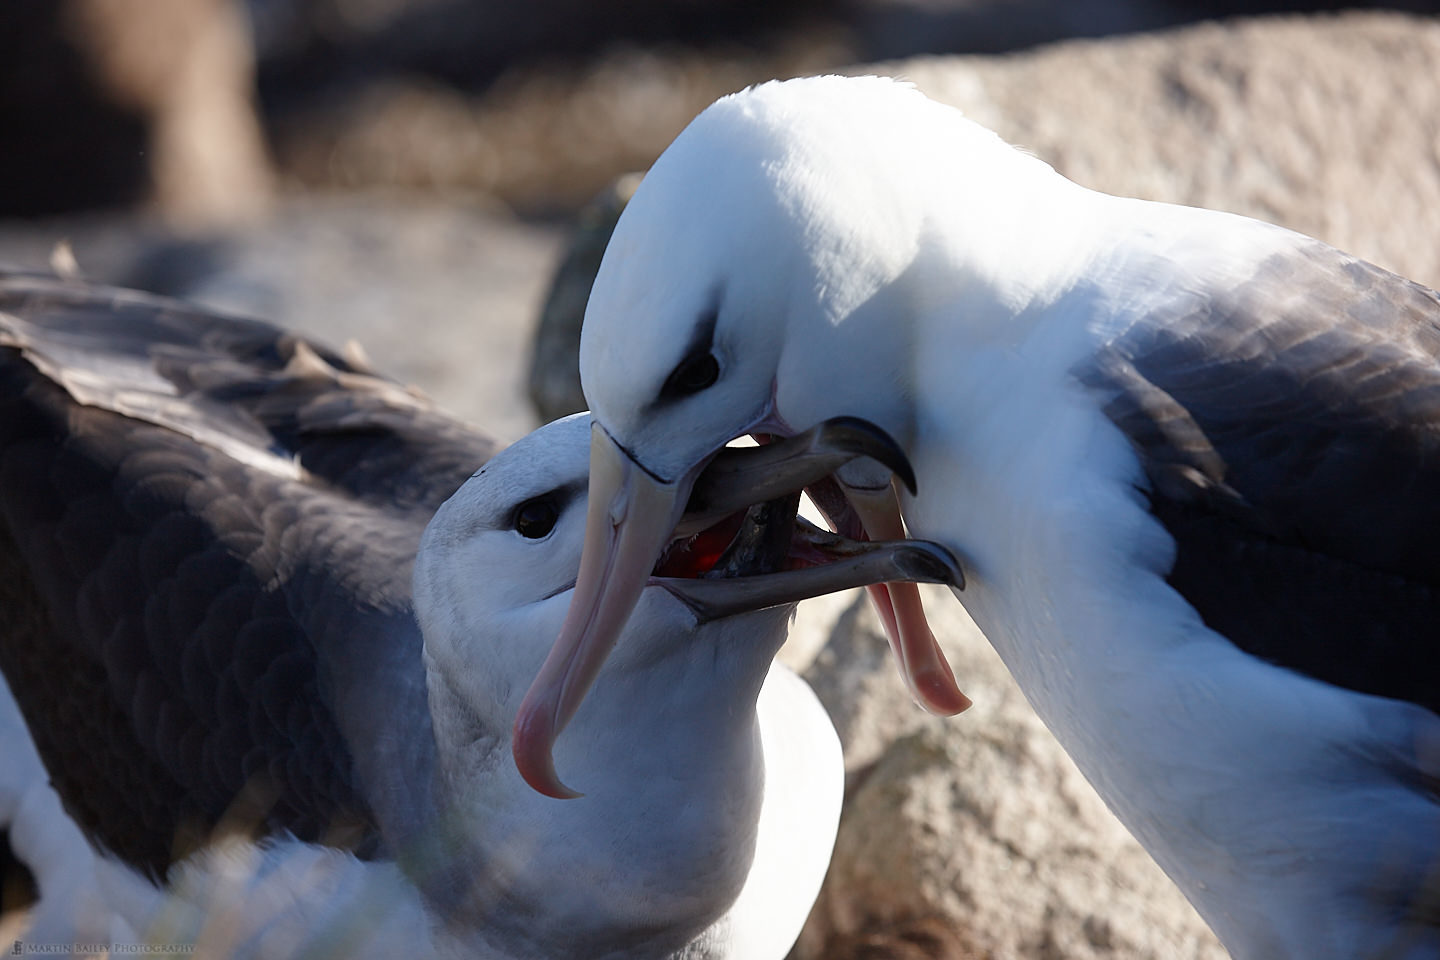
(739, 476)
(631, 518)
(849, 564)
(746, 475)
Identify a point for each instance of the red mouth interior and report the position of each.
(698, 555)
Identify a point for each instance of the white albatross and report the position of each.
(207, 533)
(1190, 463)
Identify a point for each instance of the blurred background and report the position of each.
(435, 179)
(210, 109)
(372, 167)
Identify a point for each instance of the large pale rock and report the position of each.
(981, 820)
(1329, 125)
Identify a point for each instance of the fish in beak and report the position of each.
(725, 539)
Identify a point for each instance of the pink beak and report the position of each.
(631, 518)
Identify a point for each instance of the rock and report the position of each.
(108, 102)
(542, 110)
(891, 29)
(188, 68)
(858, 681)
(927, 938)
(1315, 123)
(980, 823)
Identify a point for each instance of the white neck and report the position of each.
(1223, 766)
(653, 854)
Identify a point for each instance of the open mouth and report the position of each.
(734, 554)
(764, 538)
(737, 547)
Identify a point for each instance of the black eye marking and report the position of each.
(534, 519)
(694, 374)
(699, 369)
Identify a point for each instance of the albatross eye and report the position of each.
(695, 373)
(534, 519)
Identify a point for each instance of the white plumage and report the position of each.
(1183, 457)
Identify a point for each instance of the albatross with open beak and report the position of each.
(1189, 461)
(207, 533)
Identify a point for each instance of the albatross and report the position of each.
(242, 729)
(1188, 461)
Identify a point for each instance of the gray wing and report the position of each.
(207, 527)
(1289, 426)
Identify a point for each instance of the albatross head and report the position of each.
(759, 283)
(667, 747)
(497, 569)
(493, 579)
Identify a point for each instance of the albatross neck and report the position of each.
(659, 846)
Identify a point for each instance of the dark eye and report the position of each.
(534, 519)
(695, 373)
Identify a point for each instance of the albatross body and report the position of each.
(258, 744)
(1189, 463)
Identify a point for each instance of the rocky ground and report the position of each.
(443, 295)
(973, 837)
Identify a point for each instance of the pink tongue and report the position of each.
(923, 665)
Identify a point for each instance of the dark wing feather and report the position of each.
(192, 624)
(1289, 426)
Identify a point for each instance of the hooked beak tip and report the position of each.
(862, 436)
(939, 695)
(532, 741)
(628, 521)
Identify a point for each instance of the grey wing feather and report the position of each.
(1289, 426)
(206, 529)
